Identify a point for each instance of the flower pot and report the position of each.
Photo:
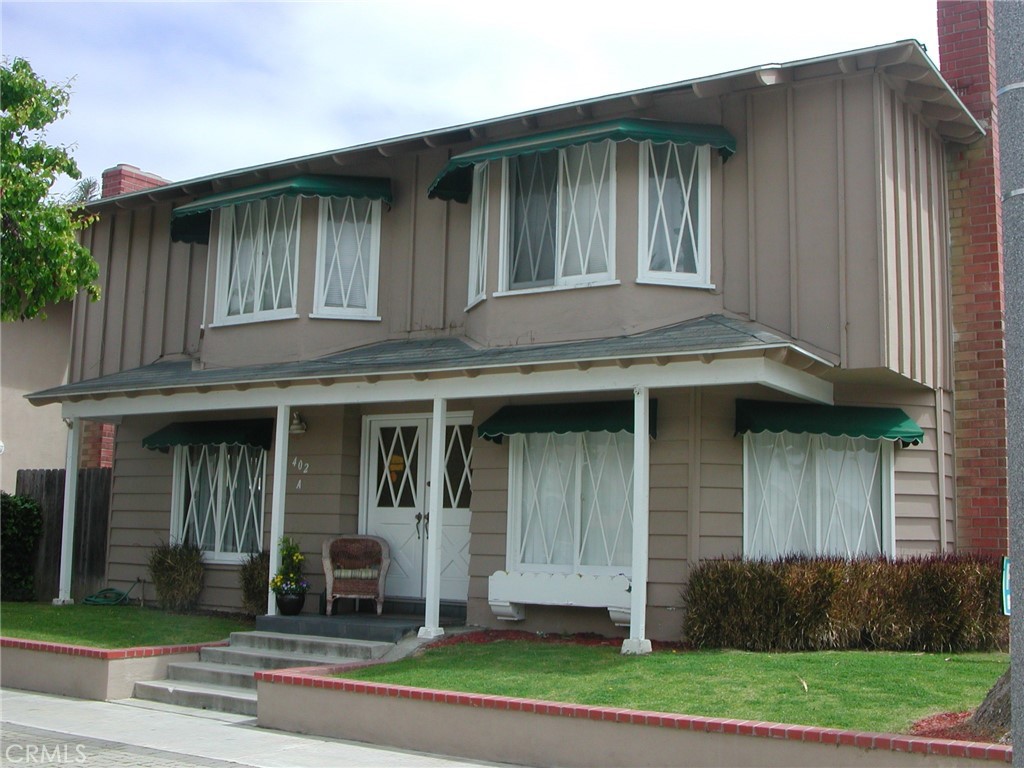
(290, 605)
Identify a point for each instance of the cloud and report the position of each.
(189, 89)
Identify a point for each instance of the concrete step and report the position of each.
(208, 672)
(199, 696)
(359, 626)
(262, 658)
(311, 645)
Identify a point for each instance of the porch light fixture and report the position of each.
(297, 426)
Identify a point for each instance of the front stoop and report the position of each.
(222, 679)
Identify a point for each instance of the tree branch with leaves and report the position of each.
(41, 260)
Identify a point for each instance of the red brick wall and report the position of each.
(97, 445)
(967, 54)
(123, 178)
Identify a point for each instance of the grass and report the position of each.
(860, 690)
(112, 626)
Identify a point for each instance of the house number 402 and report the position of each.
(301, 466)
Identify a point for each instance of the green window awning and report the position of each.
(455, 182)
(835, 420)
(563, 418)
(258, 433)
(190, 223)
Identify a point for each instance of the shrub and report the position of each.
(935, 603)
(21, 524)
(254, 578)
(176, 571)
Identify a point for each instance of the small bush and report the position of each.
(936, 603)
(254, 578)
(176, 571)
(21, 524)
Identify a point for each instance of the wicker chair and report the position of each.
(356, 566)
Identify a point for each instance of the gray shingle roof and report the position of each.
(712, 333)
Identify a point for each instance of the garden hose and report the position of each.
(109, 596)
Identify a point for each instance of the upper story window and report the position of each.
(558, 218)
(478, 236)
(257, 263)
(674, 246)
(348, 256)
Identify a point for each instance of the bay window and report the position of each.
(558, 218)
(257, 266)
(348, 254)
(674, 245)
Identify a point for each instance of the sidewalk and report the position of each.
(41, 729)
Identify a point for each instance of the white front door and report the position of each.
(394, 500)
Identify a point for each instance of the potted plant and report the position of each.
(287, 584)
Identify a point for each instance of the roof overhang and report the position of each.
(708, 351)
(904, 65)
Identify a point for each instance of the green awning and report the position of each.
(187, 221)
(455, 182)
(562, 418)
(258, 433)
(835, 420)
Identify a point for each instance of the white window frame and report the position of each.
(178, 512)
(888, 499)
(370, 229)
(225, 248)
(702, 236)
(514, 527)
(560, 282)
(478, 236)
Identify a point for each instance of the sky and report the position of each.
(189, 89)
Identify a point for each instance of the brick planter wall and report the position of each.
(967, 52)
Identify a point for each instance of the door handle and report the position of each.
(426, 525)
(418, 518)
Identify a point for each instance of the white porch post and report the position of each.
(435, 501)
(67, 536)
(277, 496)
(637, 641)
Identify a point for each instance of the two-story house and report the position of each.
(555, 359)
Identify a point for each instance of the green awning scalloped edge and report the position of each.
(835, 420)
(455, 182)
(258, 433)
(564, 418)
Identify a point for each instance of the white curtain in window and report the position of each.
(813, 494)
(260, 243)
(533, 233)
(478, 234)
(222, 496)
(347, 253)
(606, 497)
(585, 210)
(549, 493)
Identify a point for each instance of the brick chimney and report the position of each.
(123, 178)
(967, 61)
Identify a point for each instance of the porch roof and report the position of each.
(705, 338)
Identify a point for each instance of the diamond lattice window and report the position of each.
(219, 498)
(258, 261)
(674, 242)
(559, 217)
(347, 257)
(571, 505)
(816, 495)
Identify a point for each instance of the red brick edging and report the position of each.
(104, 653)
(309, 678)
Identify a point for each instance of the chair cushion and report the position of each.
(356, 573)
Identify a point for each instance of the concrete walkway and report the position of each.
(41, 729)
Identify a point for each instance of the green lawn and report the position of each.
(871, 691)
(112, 626)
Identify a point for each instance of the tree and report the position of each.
(41, 262)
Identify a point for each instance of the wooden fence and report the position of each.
(92, 512)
